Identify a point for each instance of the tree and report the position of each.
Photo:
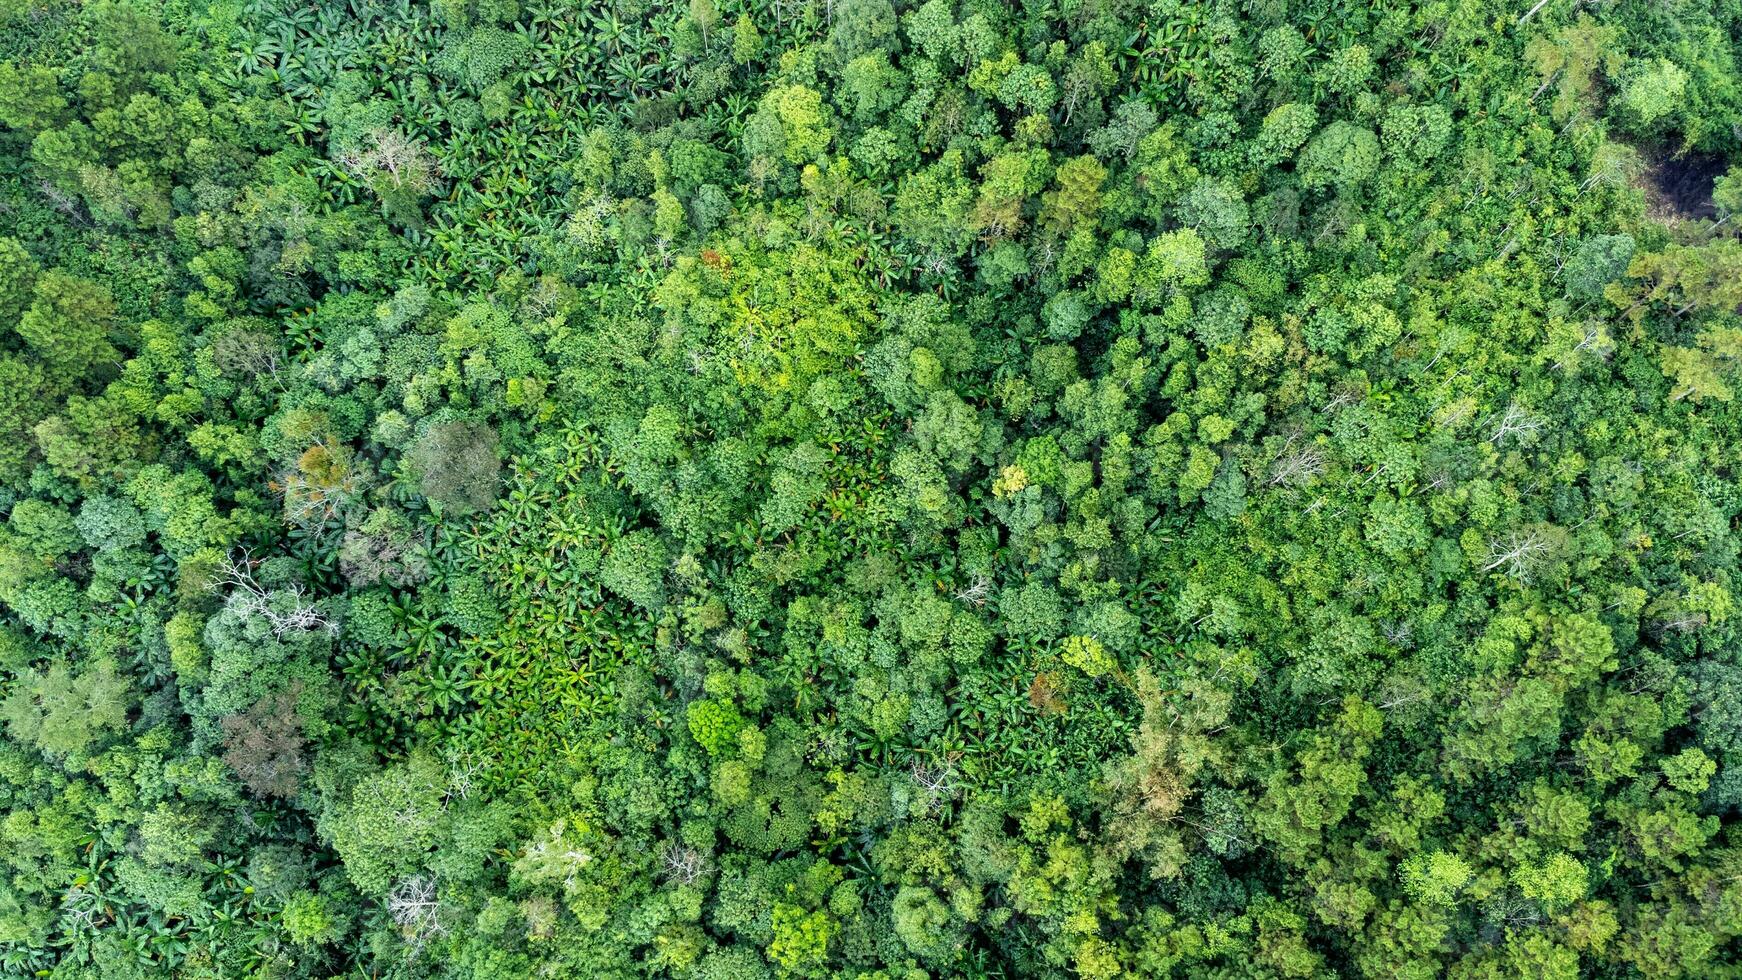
(458, 464)
(790, 124)
(69, 324)
(1570, 60)
(1174, 261)
(1436, 878)
(801, 939)
(384, 823)
(1704, 370)
(1727, 195)
(1598, 261)
(1415, 133)
(1347, 70)
(860, 26)
(1518, 554)
(284, 612)
(131, 43)
(18, 274)
(746, 40)
(1297, 810)
(1086, 81)
(417, 911)
(400, 170)
(1342, 155)
(384, 547)
(31, 97)
(64, 710)
(264, 745)
(94, 440)
(1699, 277)
(1076, 201)
(1650, 92)
(1283, 131)
(1217, 211)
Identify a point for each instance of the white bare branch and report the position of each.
(417, 910)
(82, 907)
(1517, 554)
(977, 592)
(287, 610)
(684, 865)
(405, 162)
(1297, 466)
(936, 778)
(1514, 423)
(1685, 622)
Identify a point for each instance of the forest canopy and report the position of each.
(763, 489)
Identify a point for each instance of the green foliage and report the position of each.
(1598, 262)
(383, 823)
(1342, 155)
(459, 465)
(716, 725)
(63, 710)
(634, 568)
(1650, 92)
(869, 490)
(68, 323)
(1283, 131)
(801, 939)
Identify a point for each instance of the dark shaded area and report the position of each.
(1681, 186)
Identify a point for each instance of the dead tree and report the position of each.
(286, 611)
(390, 154)
(1517, 554)
(1514, 423)
(417, 910)
(1297, 466)
(684, 865)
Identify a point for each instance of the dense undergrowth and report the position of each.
(853, 488)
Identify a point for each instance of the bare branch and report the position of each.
(403, 161)
(417, 911)
(684, 865)
(287, 610)
(1518, 553)
(976, 593)
(936, 778)
(1514, 423)
(1297, 466)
